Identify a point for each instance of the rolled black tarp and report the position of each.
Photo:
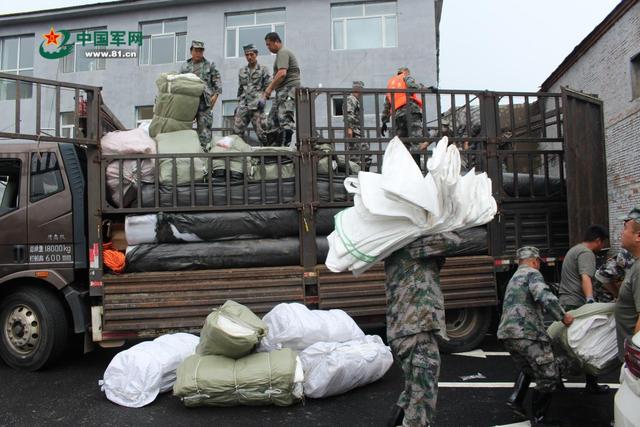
(225, 254)
(541, 186)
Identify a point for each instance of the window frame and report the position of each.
(7, 210)
(634, 65)
(149, 40)
(236, 28)
(76, 51)
(59, 177)
(381, 16)
(18, 70)
(335, 98)
(137, 118)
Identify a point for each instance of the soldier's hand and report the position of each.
(349, 133)
(423, 146)
(383, 129)
(567, 320)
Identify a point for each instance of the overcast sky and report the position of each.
(484, 44)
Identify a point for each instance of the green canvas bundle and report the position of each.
(176, 104)
(231, 330)
(268, 170)
(181, 84)
(180, 142)
(256, 379)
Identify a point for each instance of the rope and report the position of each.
(113, 259)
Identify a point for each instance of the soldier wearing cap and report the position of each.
(627, 311)
(253, 80)
(407, 107)
(352, 122)
(209, 74)
(525, 337)
(609, 276)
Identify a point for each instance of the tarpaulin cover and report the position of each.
(541, 186)
(224, 254)
(180, 142)
(231, 330)
(590, 342)
(267, 192)
(135, 376)
(257, 379)
(207, 227)
(332, 368)
(293, 325)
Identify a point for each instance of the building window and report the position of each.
(144, 114)
(67, 125)
(16, 57)
(364, 25)
(77, 60)
(46, 178)
(251, 27)
(635, 77)
(9, 185)
(163, 42)
(368, 105)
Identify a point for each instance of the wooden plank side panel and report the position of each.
(153, 303)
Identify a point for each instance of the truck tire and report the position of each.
(466, 328)
(35, 329)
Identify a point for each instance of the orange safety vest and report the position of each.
(400, 98)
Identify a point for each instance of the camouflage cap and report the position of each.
(527, 252)
(195, 44)
(358, 84)
(250, 48)
(633, 214)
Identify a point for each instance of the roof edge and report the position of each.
(591, 39)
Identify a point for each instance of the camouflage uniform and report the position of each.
(522, 329)
(352, 121)
(612, 271)
(209, 74)
(415, 316)
(251, 84)
(408, 117)
(281, 116)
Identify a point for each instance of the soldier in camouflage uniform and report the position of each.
(352, 122)
(611, 274)
(286, 78)
(408, 116)
(253, 79)
(209, 74)
(525, 337)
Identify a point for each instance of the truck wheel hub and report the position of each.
(22, 329)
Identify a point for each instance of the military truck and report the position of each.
(543, 151)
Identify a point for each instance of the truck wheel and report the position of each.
(35, 328)
(466, 328)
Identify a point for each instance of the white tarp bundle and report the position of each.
(135, 141)
(591, 339)
(135, 376)
(394, 208)
(295, 326)
(332, 368)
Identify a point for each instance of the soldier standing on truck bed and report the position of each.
(286, 78)
(407, 107)
(352, 121)
(209, 74)
(524, 335)
(577, 284)
(253, 80)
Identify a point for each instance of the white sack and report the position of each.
(134, 141)
(296, 327)
(131, 179)
(332, 368)
(135, 376)
(140, 229)
(593, 339)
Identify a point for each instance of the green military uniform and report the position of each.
(209, 74)
(415, 317)
(252, 82)
(408, 117)
(281, 116)
(352, 120)
(611, 271)
(521, 326)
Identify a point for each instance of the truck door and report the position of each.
(13, 213)
(586, 166)
(50, 213)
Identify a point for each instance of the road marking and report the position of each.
(481, 353)
(507, 385)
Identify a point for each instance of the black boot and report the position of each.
(519, 393)
(396, 417)
(593, 387)
(540, 407)
(286, 137)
